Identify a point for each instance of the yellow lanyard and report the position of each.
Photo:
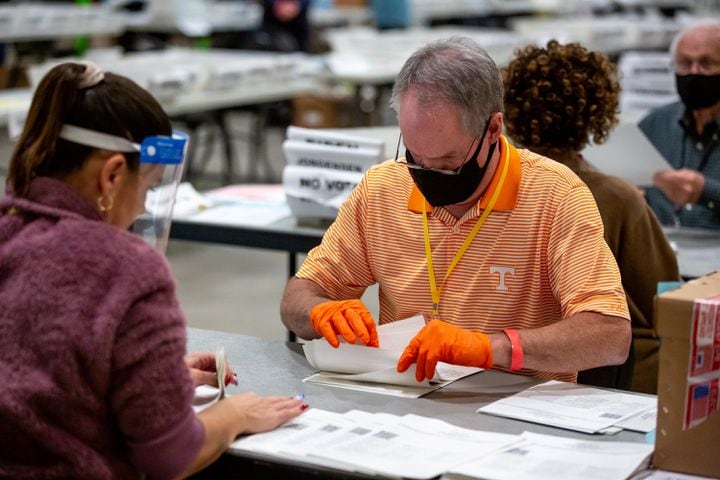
(434, 290)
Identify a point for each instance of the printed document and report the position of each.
(417, 447)
(381, 444)
(571, 406)
(374, 369)
(538, 457)
(643, 422)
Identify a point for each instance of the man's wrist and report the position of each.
(501, 350)
(517, 356)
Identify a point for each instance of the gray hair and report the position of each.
(455, 70)
(703, 23)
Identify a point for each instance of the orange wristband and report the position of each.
(516, 352)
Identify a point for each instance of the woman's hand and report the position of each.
(261, 414)
(201, 366)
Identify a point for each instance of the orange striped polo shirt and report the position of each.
(539, 257)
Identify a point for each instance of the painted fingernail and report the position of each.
(299, 396)
(304, 406)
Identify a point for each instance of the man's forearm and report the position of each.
(585, 340)
(299, 298)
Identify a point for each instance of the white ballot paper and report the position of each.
(206, 395)
(644, 422)
(538, 457)
(665, 475)
(627, 154)
(571, 406)
(410, 446)
(220, 369)
(370, 369)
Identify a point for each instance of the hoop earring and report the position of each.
(105, 204)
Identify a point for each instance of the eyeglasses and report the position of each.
(410, 162)
(704, 64)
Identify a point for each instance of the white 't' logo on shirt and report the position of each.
(501, 271)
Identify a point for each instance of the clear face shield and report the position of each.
(161, 160)
(161, 164)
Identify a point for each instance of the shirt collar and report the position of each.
(687, 123)
(508, 196)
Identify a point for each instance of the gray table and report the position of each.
(698, 250)
(270, 367)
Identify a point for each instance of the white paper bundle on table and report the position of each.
(323, 168)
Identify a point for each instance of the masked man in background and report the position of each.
(687, 133)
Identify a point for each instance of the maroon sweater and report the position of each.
(92, 379)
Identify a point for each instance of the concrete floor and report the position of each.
(229, 288)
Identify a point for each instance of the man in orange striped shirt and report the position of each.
(503, 248)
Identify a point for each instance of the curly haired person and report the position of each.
(558, 98)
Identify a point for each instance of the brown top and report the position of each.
(636, 240)
(645, 258)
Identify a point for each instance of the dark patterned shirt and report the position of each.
(673, 134)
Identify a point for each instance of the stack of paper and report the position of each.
(410, 446)
(323, 168)
(578, 407)
(542, 456)
(417, 447)
(370, 369)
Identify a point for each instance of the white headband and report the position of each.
(91, 76)
(91, 138)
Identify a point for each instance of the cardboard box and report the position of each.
(688, 425)
(322, 112)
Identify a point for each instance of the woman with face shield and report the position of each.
(92, 345)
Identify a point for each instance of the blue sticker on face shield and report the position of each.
(163, 150)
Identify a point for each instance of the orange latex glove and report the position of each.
(349, 318)
(441, 342)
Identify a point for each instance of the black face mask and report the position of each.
(441, 189)
(698, 91)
